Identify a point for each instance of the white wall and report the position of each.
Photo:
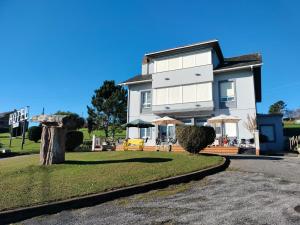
(134, 94)
(245, 98)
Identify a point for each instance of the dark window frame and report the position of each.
(274, 131)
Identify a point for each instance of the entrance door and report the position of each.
(166, 132)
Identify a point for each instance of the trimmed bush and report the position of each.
(35, 133)
(73, 140)
(193, 138)
(210, 134)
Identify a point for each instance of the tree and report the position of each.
(78, 120)
(277, 108)
(109, 108)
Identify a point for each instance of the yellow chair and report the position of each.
(133, 144)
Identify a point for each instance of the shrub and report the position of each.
(35, 133)
(210, 134)
(73, 140)
(193, 139)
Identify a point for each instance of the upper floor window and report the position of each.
(183, 61)
(201, 92)
(227, 92)
(146, 99)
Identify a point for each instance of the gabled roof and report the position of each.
(138, 79)
(240, 61)
(188, 48)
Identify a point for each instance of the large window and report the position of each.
(227, 91)
(145, 133)
(146, 99)
(183, 61)
(269, 131)
(183, 94)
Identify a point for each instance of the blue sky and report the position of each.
(55, 53)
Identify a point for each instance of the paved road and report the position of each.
(252, 191)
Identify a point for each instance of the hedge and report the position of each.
(193, 138)
(35, 133)
(73, 140)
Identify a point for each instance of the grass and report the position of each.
(291, 124)
(24, 182)
(31, 147)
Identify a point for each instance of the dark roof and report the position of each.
(188, 48)
(4, 114)
(138, 78)
(243, 60)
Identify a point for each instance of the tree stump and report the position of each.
(52, 150)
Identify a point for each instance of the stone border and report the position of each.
(19, 214)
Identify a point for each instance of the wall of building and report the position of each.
(183, 76)
(245, 98)
(134, 95)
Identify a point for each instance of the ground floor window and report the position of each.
(166, 132)
(145, 133)
(268, 131)
(187, 121)
(200, 122)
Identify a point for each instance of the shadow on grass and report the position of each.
(141, 160)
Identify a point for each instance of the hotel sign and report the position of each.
(18, 116)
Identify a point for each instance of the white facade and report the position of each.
(189, 87)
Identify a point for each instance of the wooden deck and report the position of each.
(220, 150)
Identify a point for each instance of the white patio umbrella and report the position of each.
(166, 120)
(222, 119)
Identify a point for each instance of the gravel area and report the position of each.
(253, 190)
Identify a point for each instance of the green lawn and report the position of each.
(32, 147)
(24, 182)
(29, 146)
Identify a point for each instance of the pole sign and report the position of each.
(18, 116)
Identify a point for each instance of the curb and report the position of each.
(16, 215)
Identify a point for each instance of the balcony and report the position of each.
(192, 107)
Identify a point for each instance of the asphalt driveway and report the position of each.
(253, 190)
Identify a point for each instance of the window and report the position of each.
(175, 95)
(188, 61)
(204, 92)
(175, 63)
(189, 93)
(200, 122)
(187, 121)
(183, 61)
(145, 133)
(183, 94)
(269, 131)
(227, 92)
(162, 65)
(146, 99)
(161, 96)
